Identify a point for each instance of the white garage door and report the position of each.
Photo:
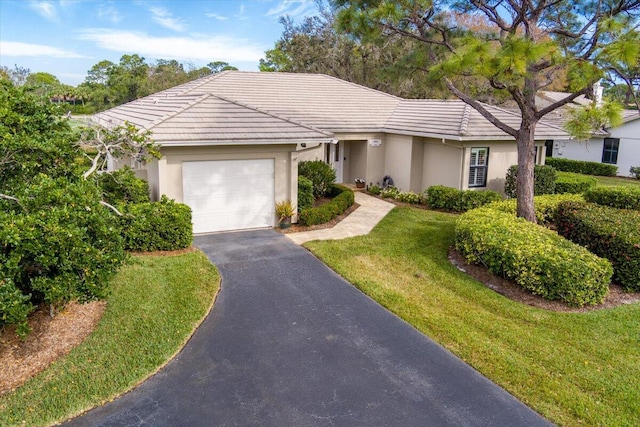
(229, 194)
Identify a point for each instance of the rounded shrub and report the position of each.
(452, 199)
(157, 226)
(608, 232)
(321, 175)
(305, 193)
(58, 243)
(544, 180)
(534, 257)
(123, 186)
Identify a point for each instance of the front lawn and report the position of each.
(156, 302)
(573, 368)
(612, 181)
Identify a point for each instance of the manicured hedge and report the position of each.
(545, 206)
(544, 180)
(607, 232)
(157, 226)
(615, 197)
(575, 183)
(342, 199)
(452, 199)
(305, 193)
(579, 166)
(536, 258)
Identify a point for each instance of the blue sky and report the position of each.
(67, 37)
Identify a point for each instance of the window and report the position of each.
(478, 167)
(610, 150)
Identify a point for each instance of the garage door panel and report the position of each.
(229, 194)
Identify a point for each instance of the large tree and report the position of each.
(524, 47)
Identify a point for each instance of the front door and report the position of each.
(336, 159)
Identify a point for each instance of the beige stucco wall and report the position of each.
(310, 153)
(397, 161)
(375, 157)
(441, 163)
(356, 167)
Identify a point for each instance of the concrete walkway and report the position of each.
(291, 343)
(358, 223)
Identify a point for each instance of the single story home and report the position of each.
(619, 146)
(231, 142)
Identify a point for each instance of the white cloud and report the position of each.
(216, 16)
(46, 9)
(163, 17)
(205, 48)
(293, 8)
(27, 49)
(108, 12)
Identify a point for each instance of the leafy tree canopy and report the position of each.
(521, 48)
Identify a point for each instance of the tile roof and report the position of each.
(235, 106)
(178, 119)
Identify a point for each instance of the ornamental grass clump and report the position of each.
(536, 258)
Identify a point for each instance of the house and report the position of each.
(231, 142)
(618, 146)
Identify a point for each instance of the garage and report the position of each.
(229, 194)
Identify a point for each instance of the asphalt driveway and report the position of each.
(290, 343)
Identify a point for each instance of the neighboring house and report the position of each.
(619, 146)
(231, 142)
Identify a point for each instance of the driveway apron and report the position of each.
(290, 343)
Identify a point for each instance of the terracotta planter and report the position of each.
(359, 184)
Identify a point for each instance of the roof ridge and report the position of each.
(277, 116)
(179, 110)
(464, 123)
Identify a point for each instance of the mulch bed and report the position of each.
(295, 228)
(514, 292)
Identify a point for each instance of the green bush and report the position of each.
(608, 232)
(615, 197)
(305, 193)
(320, 173)
(123, 186)
(575, 183)
(545, 206)
(441, 197)
(452, 199)
(582, 167)
(157, 226)
(544, 180)
(342, 199)
(635, 171)
(534, 257)
(374, 189)
(58, 243)
(14, 307)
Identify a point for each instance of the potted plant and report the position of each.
(359, 183)
(284, 211)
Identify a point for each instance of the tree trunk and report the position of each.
(526, 164)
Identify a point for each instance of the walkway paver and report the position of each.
(290, 343)
(358, 223)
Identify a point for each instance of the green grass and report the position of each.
(155, 304)
(612, 181)
(573, 368)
